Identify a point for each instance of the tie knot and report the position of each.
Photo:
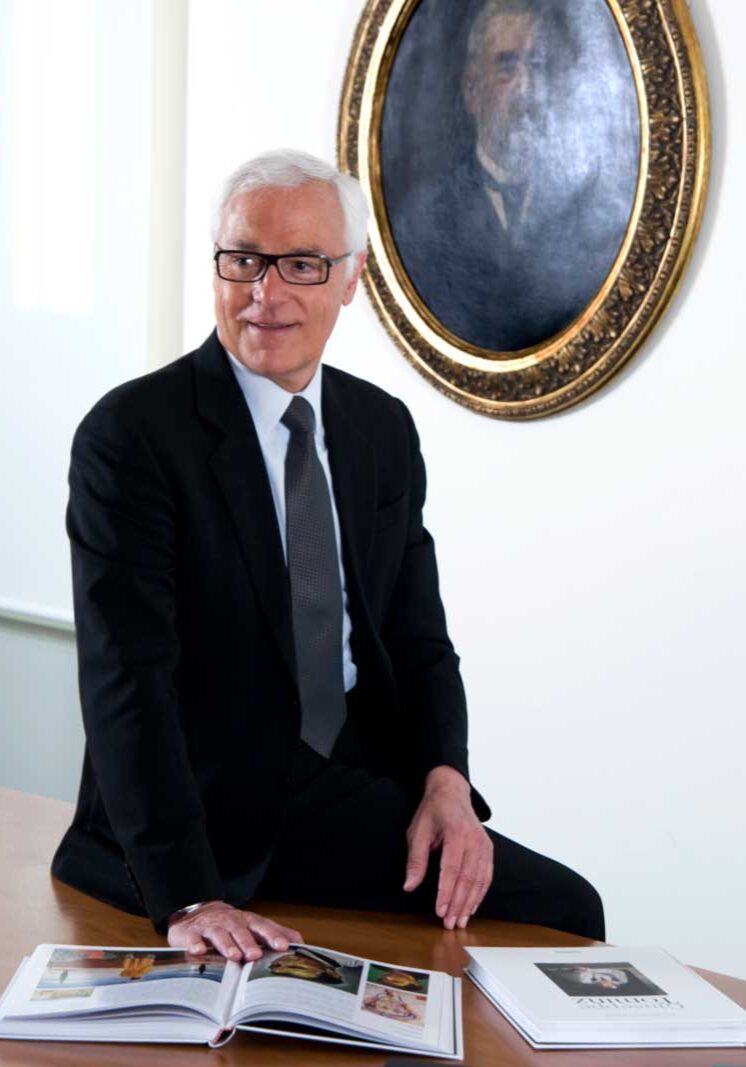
(299, 416)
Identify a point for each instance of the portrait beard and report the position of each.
(516, 144)
(552, 133)
(538, 145)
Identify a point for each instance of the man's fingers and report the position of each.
(188, 940)
(288, 934)
(462, 890)
(481, 885)
(233, 933)
(476, 880)
(271, 933)
(450, 869)
(416, 870)
(216, 929)
(475, 898)
(447, 816)
(246, 942)
(418, 855)
(224, 941)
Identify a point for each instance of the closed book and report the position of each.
(605, 997)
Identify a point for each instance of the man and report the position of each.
(513, 242)
(272, 705)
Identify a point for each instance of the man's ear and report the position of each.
(351, 286)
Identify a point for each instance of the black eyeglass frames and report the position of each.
(312, 268)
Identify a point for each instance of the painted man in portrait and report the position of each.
(508, 244)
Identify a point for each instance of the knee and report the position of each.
(532, 888)
(584, 914)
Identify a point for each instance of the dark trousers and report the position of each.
(343, 844)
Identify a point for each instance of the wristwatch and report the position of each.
(188, 910)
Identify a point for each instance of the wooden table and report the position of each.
(36, 908)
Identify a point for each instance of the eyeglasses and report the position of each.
(239, 266)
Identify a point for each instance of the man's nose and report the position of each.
(269, 288)
(525, 79)
(528, 90)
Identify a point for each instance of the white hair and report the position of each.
(287, 168)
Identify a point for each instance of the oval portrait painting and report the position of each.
(510, 147)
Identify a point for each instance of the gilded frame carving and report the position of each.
(673, 104)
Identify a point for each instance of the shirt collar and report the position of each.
(488, 164)
(268, 402)
(495, 191)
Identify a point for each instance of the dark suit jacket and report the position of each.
(182, 607)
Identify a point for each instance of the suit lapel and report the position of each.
(238, 466)
(353, 467)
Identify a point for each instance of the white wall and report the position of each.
(42, 733)
(74, 189)
(592, 563)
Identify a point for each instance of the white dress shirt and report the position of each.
(498, 202)
(267, 403)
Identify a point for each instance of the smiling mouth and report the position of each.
(271, 325)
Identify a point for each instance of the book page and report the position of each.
(357, 996)
(78, 979)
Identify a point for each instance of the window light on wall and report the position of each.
(52, 178)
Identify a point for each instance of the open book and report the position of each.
(605, 997)
(84, 993)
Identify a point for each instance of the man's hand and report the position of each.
(234, 933)
(446, 819)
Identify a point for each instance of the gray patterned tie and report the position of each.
(315, 587)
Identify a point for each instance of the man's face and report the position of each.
(275, 328)
(504, 91)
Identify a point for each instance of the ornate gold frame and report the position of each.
(673, 100)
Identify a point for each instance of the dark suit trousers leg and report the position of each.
(343, 844)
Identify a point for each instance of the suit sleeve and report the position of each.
(121, 525)
(425, 663)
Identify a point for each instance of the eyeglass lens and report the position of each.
(249, 266)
